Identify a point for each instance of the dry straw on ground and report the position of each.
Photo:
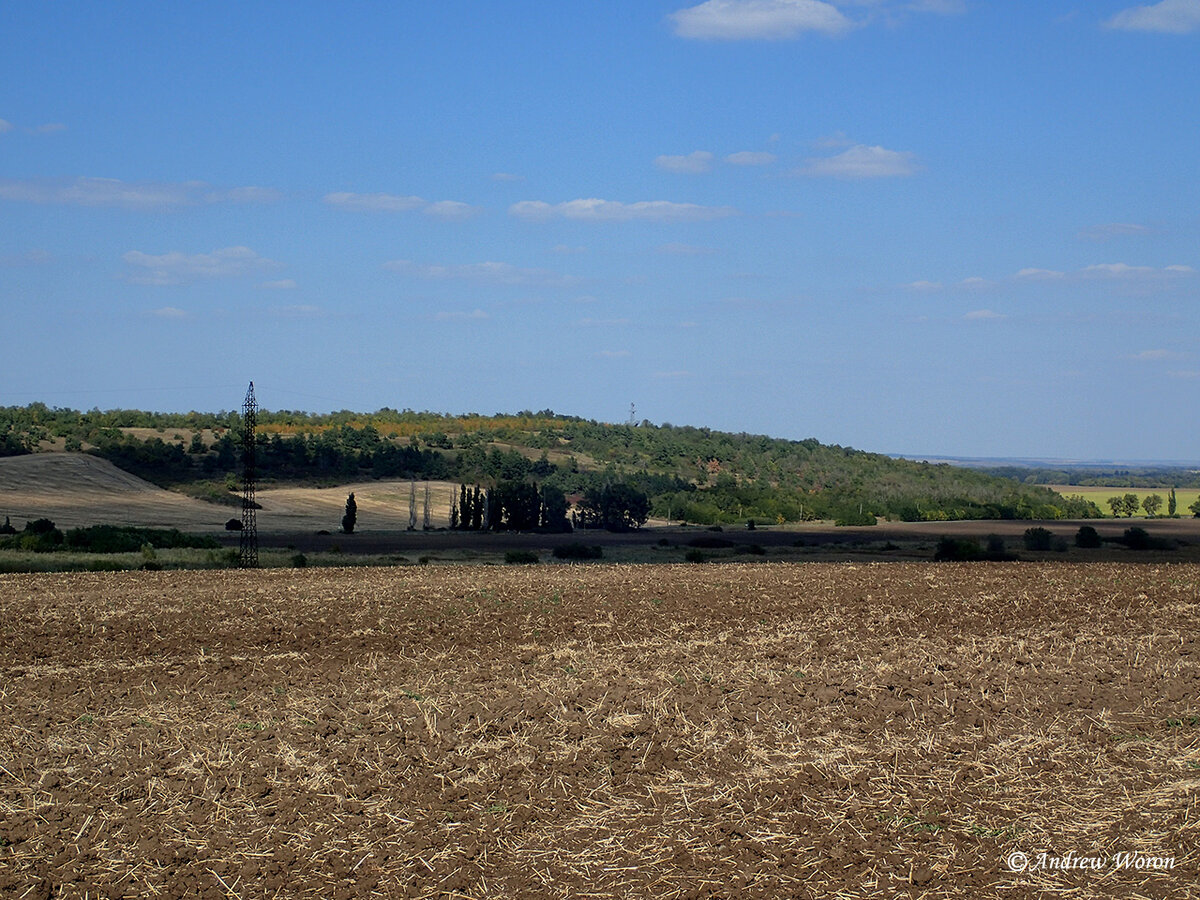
(611, 731)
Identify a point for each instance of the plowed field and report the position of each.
(652, 731)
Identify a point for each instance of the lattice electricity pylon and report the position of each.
(248, 554)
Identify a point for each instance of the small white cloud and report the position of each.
(694, 163)
(860, 162)
(678, 373)
(456, 315)
(678, 249)
(974, 283)
(50, 128)
(1167, 17)
(1180, 270)
(1185, 373)
(168, 312)
(372, 202)
(594, 210)
(178, 268)
(1112, 230)
(1039, 275)
(145, 196)
(1116, 270)
(751, 158)
(925, 286)
(736, 20)
(1154, 355)
(983, 314)
(283, 284)
(484, 272)
(451, 211)
(5, 126)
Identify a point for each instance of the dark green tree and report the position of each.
(615, 507)
(1171, 505)
(1131, 504)
(350, 519)
(1152, 504)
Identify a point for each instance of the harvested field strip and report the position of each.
(608, 731)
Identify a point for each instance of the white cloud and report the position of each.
(861, 161)
(751, 158)
(974, 283)
(486, 272)
(1167, 16)
(694, 163)
(925, 286)
(1040, 275)
(458, 316)
(983, 314)
(178, 268)
(50, 128)
(5, 126)
(593, 210)
(372, 202)
(1112, 230)
(283, 284)
(144, 196)
(1154, 355)
(168, 312)
(1127, 272)
(735, 20)
(451, 210)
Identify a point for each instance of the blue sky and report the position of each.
(951, 227)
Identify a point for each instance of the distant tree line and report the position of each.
(687, 474)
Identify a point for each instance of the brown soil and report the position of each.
(604, 731)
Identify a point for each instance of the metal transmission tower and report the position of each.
(248, 558)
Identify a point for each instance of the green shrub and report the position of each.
(1137, 538)
(1087, 537)
(1038, 539)
(578, 551)
(696, 556)
(957, 550)
(521, 558)
(299, 561)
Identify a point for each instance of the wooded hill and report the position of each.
(690, 474)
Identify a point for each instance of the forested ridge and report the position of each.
(689, 474)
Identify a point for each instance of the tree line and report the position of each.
(687, 474)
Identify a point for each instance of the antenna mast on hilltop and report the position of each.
(248, 556)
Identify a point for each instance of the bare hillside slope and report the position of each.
(74, 489)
